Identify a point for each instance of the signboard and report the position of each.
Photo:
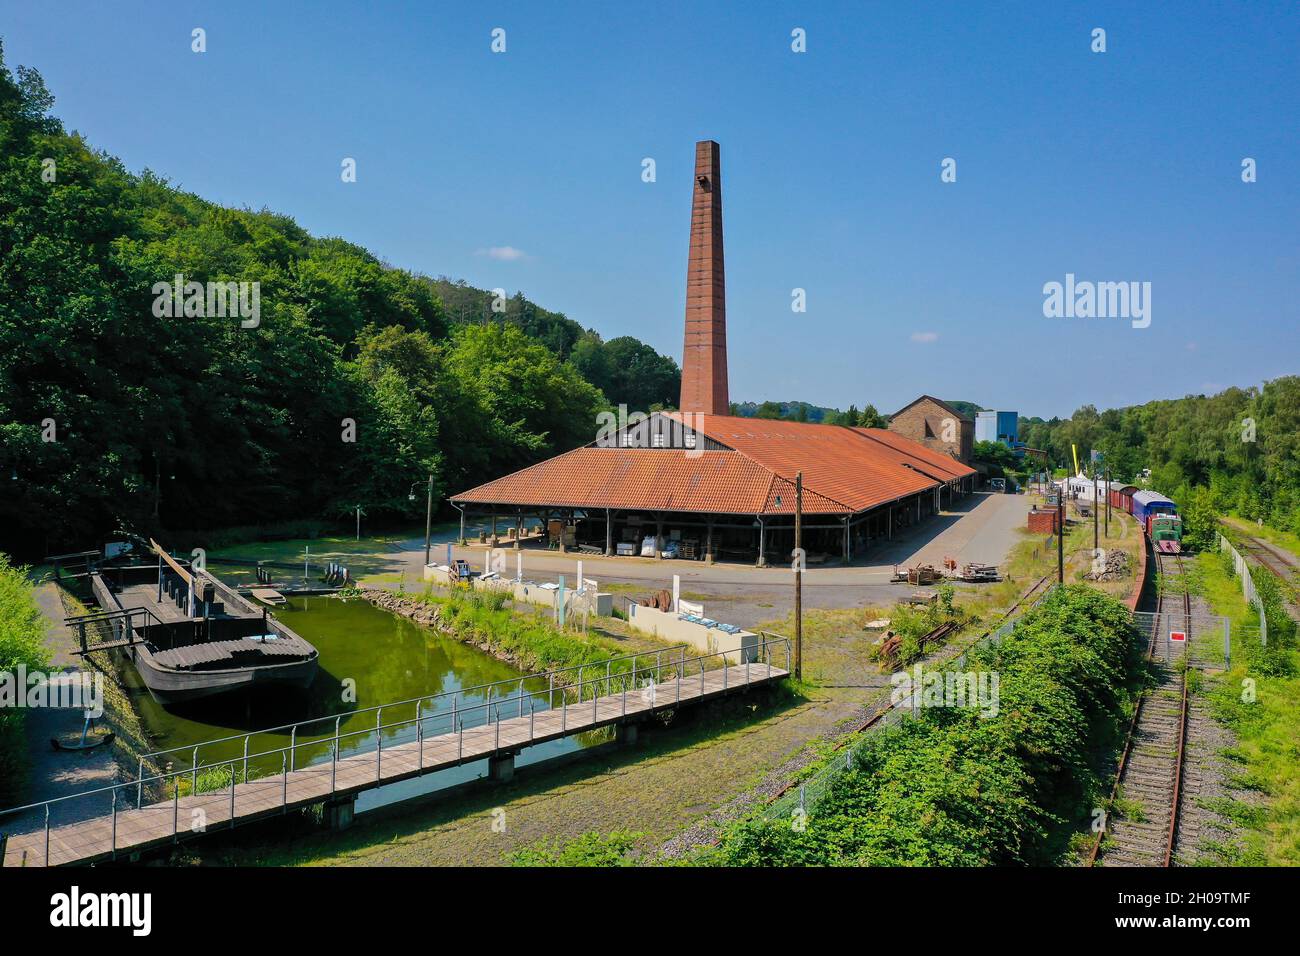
(1177, 636)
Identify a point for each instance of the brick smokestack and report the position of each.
(704, 356)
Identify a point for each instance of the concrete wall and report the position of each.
(528, 591)
(737, 647)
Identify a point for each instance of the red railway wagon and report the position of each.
(1122, 498)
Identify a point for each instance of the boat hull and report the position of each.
(170, 685)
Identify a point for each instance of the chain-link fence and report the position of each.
(1242, 571)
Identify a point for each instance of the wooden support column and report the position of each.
(848, 546)
(708, 546)
(609, 533)
(519, 530)
(492, 541)
(659, 535)
(762, 543)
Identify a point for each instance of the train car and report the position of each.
(1159, 518)
(1121, 497)
(1166, 532)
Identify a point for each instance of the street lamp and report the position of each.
(428, 515)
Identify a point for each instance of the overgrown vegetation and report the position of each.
(590, 849)
(1259, 700)
(22, 644)
(950, 787)
(482, 618)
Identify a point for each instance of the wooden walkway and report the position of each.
(131, 830)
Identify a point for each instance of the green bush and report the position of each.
(483, 618)
(590, 849)
(952, 788)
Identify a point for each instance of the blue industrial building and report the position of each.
(998, 426)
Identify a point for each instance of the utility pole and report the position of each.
(798, 575)
(1060, 532)
(1108, 501)
(358, 522)
(1096, 519)
(428, 520)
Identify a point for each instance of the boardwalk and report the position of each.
(130, 829)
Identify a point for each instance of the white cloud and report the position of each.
(925, 338)
(503, 253)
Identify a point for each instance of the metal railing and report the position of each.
(113, 628)
(1241, 567)
(673, 671)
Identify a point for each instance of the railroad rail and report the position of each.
(1150, 770)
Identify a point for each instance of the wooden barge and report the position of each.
(190, 635)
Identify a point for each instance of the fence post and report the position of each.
(284, 793)
(176, 809)
(379, 742)
(47, 834)
(113, 843)
(1227, 644)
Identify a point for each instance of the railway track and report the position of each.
(1149, 778)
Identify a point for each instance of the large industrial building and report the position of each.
(701, 483)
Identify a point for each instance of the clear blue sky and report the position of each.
(1117, 166)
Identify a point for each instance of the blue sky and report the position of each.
(1115, 166)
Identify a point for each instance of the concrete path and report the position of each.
(52, 773)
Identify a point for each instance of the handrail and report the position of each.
(288, 753)
(426, 697)
(99, 616)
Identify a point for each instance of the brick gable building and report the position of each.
(936, 425)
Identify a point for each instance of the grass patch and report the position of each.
(1260, 701)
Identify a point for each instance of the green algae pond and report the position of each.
(368, 657)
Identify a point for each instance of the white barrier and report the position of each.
(526, 591)
(1242, 570)
(738, 647)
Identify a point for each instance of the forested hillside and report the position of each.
(112, 415)
(1237, 451)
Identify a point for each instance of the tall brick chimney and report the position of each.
(704, 356)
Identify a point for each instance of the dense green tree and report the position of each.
(117, 412)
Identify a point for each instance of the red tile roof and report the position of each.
(845, 470)
(932, 462)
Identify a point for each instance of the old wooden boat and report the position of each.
(188, 634)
